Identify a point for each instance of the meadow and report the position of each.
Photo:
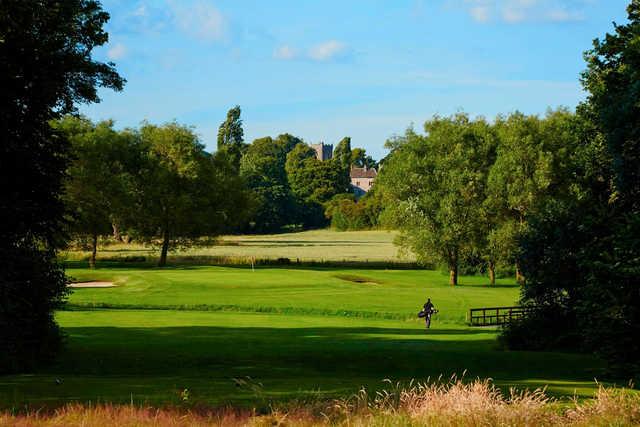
(253, 336)
(315, 246)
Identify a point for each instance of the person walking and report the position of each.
(428, 310)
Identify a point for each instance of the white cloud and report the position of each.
(513, 14)
(201, 20)
(518, 11)
(327, 51)
(480, 13)
(285, 52)
(563, 15)
(117, 51)
(140, 11)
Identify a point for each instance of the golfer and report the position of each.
(428, 310)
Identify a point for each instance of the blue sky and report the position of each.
(326, 69)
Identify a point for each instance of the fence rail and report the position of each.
(491, 316)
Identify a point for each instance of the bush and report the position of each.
(348, 213)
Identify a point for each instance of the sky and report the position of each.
(325, 69)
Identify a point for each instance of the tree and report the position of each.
(342, 155)
(46, 68)
(288, 142)
(580, 254)
(611, 267)
(530, 167)
(263, 168)
(96, 188)
(436, 184)
(518, 180)
(360, 159)
(231, 137)
(183, 192)
(347, 213)
(313, 183)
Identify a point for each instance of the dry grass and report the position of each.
(454, 403)
(306, 246)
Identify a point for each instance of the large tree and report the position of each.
(436, 184)
(46, 68)
(183, 192)
(581, 253)
(532, 165)
(97, 190)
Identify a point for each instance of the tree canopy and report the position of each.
(437, 183)
(263, 167)
(580, 253)
(97, 189)
(182, 192)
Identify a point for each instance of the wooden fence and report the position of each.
(490, 316)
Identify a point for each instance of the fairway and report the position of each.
(295, 332)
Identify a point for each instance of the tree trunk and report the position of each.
(94, 250)
(453, 267)
(116, 232)
(165, 248)
(519, 276)
(492, 273)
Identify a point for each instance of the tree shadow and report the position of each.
(336, 351)
(158, 362)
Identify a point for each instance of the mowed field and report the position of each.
(233, 335)
(316, 245)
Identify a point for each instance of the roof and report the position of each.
(363, 173)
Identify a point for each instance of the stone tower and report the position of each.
(323, 151)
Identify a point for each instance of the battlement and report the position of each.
(323, 151)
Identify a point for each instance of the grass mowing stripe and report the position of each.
(237, 308)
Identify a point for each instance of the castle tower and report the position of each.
(323, 151)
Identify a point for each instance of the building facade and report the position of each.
(362, 179)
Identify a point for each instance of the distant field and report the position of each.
(317, 245)
(296, 333)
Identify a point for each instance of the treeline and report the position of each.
(153, 183)
(464, 192)
(158, 184)
(559, 197)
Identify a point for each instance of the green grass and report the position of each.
(151, 356)
(399, 293)
(298, 332)
(316, 245)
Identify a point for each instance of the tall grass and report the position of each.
(452, 403)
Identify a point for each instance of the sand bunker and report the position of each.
(92, 285)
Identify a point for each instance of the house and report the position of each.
(362, 180)
(323, 151)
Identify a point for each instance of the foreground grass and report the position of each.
(152, 356)
(430, 404)
(234, 336)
